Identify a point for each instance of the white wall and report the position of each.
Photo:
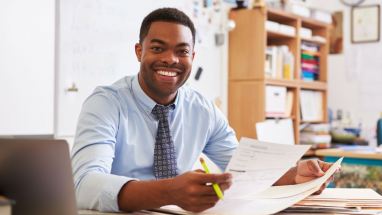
(355, 77)
(26, 67)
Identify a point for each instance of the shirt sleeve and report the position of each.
(222, 142)
(93, 153)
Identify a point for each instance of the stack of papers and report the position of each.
(255, 167)
(341, 200)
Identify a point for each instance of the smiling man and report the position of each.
(138, 139)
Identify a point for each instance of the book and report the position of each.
(279, 62)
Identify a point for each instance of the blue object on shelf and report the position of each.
(379, 131)
(355, 131)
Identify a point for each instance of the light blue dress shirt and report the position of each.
(115, 139)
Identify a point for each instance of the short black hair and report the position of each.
(167, 15)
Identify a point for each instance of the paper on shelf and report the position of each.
(267, 129)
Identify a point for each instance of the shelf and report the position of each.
(277, 35)
(281, 117)
(312, 121)
(313, 85)
(313, 41)
(312, 23)
(282, 82)
(247, 62)
(280, 15)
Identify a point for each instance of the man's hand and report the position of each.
(308, 170)
(191, 192)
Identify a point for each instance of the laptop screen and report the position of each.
(37, 175)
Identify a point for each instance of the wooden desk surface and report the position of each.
(351, 154)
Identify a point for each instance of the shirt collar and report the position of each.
(147, 103)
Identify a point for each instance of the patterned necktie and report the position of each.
(164, 151)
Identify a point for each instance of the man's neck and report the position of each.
(162, 100)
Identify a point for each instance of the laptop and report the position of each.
(37, 176)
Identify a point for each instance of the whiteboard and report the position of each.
(95, 46)
(26, 67)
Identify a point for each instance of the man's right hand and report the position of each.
(193, 191)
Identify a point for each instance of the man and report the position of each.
(137, 139)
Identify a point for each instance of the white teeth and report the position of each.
(166, 73)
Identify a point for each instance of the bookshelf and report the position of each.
(249, 46)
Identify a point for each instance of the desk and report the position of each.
(370, 158)
(333, 196)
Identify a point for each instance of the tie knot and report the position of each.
(161, 112)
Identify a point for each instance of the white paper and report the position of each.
(257, 206)
(291, 190)
(276, 131)
(256, 165)
(348, 194)
(262, 204)
(311, 105)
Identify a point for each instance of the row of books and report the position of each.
(279, 62)
(310, 61)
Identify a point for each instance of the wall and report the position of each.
(355, 77)
(26, 67)
(95, 46)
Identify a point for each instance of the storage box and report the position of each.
(275, 101)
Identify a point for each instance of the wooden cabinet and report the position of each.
(248, 44)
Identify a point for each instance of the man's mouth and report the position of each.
(167, 73)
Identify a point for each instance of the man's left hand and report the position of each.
(308, 170)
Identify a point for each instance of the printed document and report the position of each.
(256, 166)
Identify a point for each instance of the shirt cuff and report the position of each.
(100, 191)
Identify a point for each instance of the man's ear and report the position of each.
(193, 55)
(138, 51)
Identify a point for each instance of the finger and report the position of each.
(208, 199)
(207, 190)
(324, 165)
(302, 179)
(200, 171)
(225, 186)
(214, 178)
(315, 168)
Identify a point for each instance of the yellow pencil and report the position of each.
(216, 187)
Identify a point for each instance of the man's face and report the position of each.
(166, 55)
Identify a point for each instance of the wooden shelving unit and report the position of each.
(247, 80)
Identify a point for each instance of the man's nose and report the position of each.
(170, 58)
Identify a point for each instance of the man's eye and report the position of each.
(184, 52)
(156, 49)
